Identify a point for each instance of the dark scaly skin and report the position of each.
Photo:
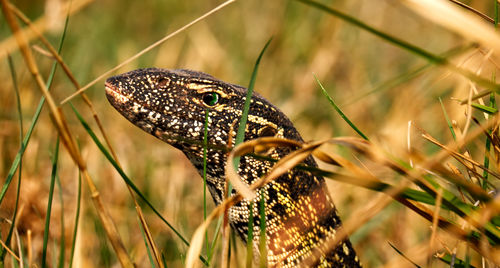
(171, 105)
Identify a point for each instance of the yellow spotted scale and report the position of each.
(171, 105)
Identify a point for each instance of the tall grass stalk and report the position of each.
(62, 241)
(127, 180)
(19, 177)
(205, 145)
(76, 221)
(339, 111)
(55, 160)
(249, 257)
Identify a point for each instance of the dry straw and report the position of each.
(360, 177)
(456, 19)
(10, 44)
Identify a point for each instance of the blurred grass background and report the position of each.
(349, 62)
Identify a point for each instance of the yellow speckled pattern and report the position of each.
(171, 105)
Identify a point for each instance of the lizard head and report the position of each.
(172, 105)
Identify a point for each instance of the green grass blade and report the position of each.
(403, 44)
(19, 155)
(449, 198)
(215, 239)
(205, 145)
(148, 249)
(483, 108)
(403, 255)
(487, 148)
(457, 263)
(358, 23)
(495, 8)
(49, 204)
(77, 218)
(398, 80)
(240, 135)
(409, 75)
(250, 238)
(233, 249)
(124, 176)
(62, 242)
(407, 193)
(450, 201)
(262, 241)
(21, 131)
(163, 260)
(339, 111)
(36, 116)
(467, 258)
(448, 121)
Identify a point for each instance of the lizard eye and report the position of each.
(211, 98)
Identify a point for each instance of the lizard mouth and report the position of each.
(114, 94)
(162, 125)
(122, 103)
(138, 113)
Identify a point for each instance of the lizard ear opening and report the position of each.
(163, 82)
(267, 131)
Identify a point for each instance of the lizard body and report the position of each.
(171, 105)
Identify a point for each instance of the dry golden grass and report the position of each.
(378, 85)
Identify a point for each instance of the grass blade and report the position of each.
(250, 238)
(205, 145)
(450, 126)
(62, 241)
(449, 259)
(77, 218)
(215, 239)
(495, 8)
(403, 255)
(453, 203)
(126, 178)
(411, 74)
(148, 250)
(49, 204)
(487, 148)
(435, 59)
(240, 135)
(484, 108)
(36, 116)
(262, 242)
(21, 131)
(358, 23)
(34, 120)
(340, 111)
